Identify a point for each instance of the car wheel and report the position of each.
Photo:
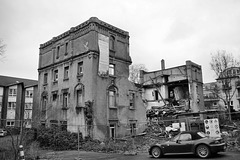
(156, 152)
(203, 151)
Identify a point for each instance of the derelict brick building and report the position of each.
(83, 82)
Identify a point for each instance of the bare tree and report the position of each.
(222, 64)
(2, 48)
(134, 72)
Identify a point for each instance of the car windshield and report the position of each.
(201, 134)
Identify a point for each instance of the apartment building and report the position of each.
(83, 82)
(227, 86)
(16, 95)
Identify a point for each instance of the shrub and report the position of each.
(56, 139)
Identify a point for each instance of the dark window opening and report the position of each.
(112, 131)
(66, 48)
(131, 100)
(45, 78)
(156, 95)
(54, 97)
(80, 68)
(112, 43)
(66, 72)
(133, 128)
(58, 52)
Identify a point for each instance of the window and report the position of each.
(45, 78)
(156, 95)
(133, 128)
(80, 68)
(196, 75)
(11, 105)
(131, 100)
(28, 114)
(10, 123)
(54, 96)
(80, 98)
(112, 99)
(66, 48)
(185, 137)
(29, 93)
(111, 69)
(58, 52)
(66, 72)
(231, 103)
(53, 123)
(28, 106)
(55, 76)
(65, 100)
(112, 43)
(44, 103)
(112, 131)
(234, 72)
(12, 92)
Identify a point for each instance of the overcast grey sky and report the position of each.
(174, 30)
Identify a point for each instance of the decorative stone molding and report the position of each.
(92, 24)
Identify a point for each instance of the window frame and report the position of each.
(80, 68)
(45, 78)
(112, 41)
(112, 98)
(112, 130)
(111, 70)
(65, 100)
(66, 48)
(11, 105)
(182, 138)
(133, 128)
(132, 100)
(58, 52)
(80, 97)
(12, 123)
(12, 92)
(66, 72)
(55, 75)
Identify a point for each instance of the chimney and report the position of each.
(162, 64)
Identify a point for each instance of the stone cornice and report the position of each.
(92, 24)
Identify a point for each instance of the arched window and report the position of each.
(44, 101)
(79, 90)
(112, 43)
(112, 96)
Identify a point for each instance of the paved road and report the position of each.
(72, 155)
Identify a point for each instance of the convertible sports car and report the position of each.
(189, 142)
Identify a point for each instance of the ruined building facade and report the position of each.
(83, 82)
(179, 87)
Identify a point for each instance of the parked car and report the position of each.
(3, 132)
(189, 142)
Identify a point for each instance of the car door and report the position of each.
(184, 143)
(181, 144)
